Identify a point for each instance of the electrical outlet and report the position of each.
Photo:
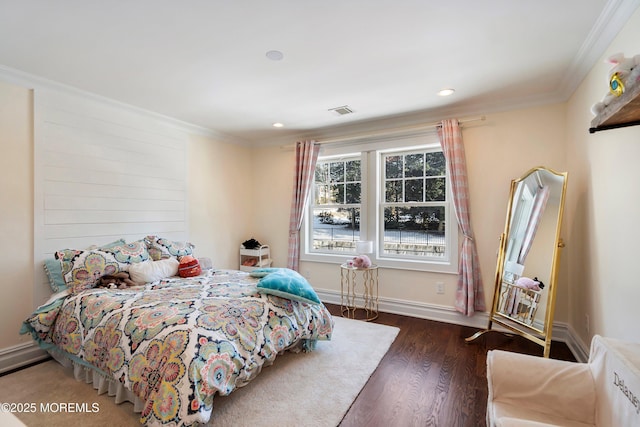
(440, 287)
(586, 322)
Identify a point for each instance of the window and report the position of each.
(336, 208)
(391, 192)
(414, 204)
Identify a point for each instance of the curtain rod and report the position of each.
(385, 132)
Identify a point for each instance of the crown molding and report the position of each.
(612, 19)
(614, 16)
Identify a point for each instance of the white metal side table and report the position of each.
(353, 300)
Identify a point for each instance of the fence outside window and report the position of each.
(407, 242)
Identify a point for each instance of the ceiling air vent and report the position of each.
(342, 110)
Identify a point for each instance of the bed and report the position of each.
(171, 345)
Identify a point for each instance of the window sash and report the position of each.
(372, 206)
(336, 204)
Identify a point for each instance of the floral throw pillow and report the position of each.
(81, 270)
(66, 256)
(129, 253)
(160, 248)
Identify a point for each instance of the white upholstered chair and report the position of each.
(533, 391)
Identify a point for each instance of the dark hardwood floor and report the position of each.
(431, 377)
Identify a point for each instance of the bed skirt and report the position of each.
(100, 383)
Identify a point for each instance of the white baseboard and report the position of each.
(20, 355)
(438, 313)
(579, 349)
(561, 331)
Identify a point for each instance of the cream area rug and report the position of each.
(305, 389)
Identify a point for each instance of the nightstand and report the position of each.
(250, 259)
(354, 300)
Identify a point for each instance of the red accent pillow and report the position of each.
(189, 267)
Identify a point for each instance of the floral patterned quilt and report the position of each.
(177, 342)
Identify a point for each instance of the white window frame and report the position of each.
(371, 214)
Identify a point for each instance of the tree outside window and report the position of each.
(414, 215)
(336, 205)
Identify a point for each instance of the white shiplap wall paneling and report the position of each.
(103, 171)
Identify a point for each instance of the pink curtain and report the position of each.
(470, 293)
(306, 157)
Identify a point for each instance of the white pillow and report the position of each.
(151, 271)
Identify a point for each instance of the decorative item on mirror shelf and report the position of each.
(528, 283)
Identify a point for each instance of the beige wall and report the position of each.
(220, 199)
(498, 150)
(16, 211)
(604, 205)
(272, 184)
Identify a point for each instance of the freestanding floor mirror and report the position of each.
(528, 257)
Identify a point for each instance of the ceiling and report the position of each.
(204, 62)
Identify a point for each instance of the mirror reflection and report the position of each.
(531, 240)
(528, 258)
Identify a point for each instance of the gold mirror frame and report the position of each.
(515, 322)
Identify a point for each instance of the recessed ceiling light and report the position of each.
(278, 125)
(275, 55)
(446, 92)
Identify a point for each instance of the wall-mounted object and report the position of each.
(622, 111)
